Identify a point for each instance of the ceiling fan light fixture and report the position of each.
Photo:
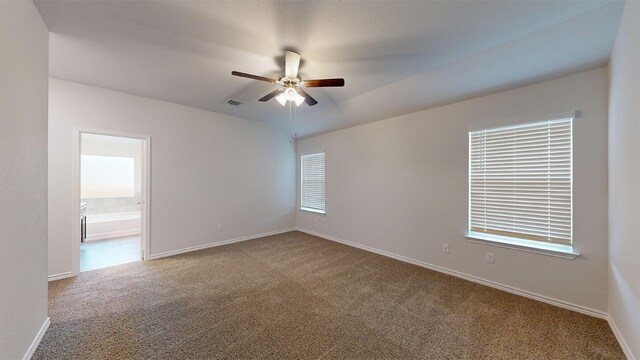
(282, 99)
(291, 93)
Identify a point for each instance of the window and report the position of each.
(520, 184)
(106, 176)
(312, 183)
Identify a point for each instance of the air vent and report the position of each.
(234, 102)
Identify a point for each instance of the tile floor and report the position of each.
(104, 253)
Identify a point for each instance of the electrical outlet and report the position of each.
(445, 248)
(220, 227)
(490, 258)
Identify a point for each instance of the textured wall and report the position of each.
(624, 180)
(401, 184)
(206, 169)
(24, 71)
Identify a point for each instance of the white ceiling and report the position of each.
(396, 57)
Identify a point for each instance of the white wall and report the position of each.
(624, 180)
(400, 185)
(23, 176)
(206, 169)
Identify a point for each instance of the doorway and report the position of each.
(112, 183)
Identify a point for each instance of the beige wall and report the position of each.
(400, 186)
(23, 176)
(206, 169)
(624, 180)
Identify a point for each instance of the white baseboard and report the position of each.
(219, 243)
(63, 275)
(34, 344)
(113, 234)
(623, 343)
(493, 284)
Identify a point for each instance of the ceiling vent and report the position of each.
(234, 102)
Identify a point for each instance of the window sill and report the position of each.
(556, 250)
(315, 211)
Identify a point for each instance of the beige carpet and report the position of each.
(299, 296)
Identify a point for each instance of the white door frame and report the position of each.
(145, 226)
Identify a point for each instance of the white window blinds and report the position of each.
(520, 181)
(312, 183)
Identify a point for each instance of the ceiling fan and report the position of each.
(291, 83)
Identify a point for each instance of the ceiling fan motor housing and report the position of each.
(287, 81)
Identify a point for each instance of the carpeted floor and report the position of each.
(298, 296)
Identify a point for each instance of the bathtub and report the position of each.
(114, 225)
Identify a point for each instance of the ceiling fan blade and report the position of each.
(323, 83)
(254, 77)
(307, 98)
(291, 64)
(270, 95)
